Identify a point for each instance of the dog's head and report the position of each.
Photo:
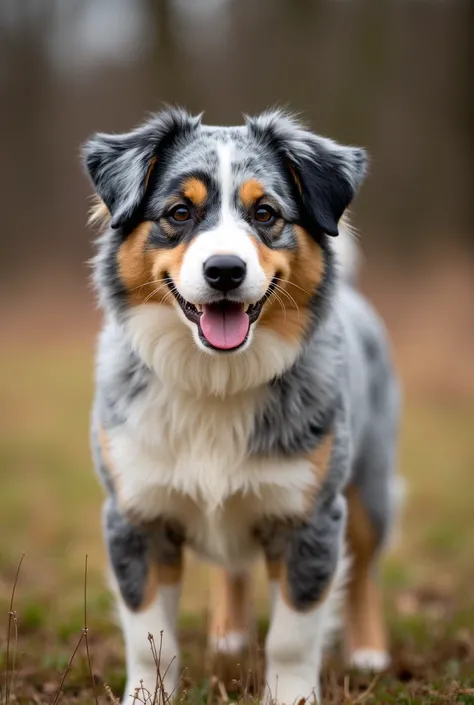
(224, 228)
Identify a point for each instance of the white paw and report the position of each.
(230, 644)
(371, 660)
(147, 688)
(289, 689)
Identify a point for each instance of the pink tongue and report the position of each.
(225, 326)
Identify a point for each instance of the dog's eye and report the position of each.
(179, 214)
(265, 214)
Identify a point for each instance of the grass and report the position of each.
(50, 510)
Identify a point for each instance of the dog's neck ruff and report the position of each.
(166, 346)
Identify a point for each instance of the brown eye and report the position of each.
(265, 214)
(179, 214)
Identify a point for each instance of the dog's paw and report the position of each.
(229, 644)
(289, 689)
(370, 660)
(147, 687)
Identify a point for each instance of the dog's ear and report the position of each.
(326, 174)
(120, 165)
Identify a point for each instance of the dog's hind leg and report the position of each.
(366, 641)
(373, 500)
(230, 611)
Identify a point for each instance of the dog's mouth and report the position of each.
(224, 324)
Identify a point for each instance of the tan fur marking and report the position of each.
(231, 602)
(195, 190)
(169, 261)
(135, 264)
(274, 570)
(106, 457)
(151, 588)
(250, 192)
(301, 273)
(159, 574)
(142, 269)
(320, 460)
(364, 625)
(112, 473)
(169, 574)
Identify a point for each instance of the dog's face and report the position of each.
(227, 227)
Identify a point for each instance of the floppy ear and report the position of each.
(326, 174)
(120, 165)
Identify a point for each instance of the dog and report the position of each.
(246, 403)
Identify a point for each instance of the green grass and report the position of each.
(50, 509)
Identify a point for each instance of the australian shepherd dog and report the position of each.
(245, 401)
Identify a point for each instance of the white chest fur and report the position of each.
(186, 457)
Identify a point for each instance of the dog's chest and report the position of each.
(188, 459)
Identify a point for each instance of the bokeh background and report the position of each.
(392, 76)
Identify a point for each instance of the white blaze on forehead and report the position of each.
(229, 236)
(224, 155)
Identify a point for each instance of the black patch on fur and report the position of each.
(129, 553)
(325, 190)
(313, 553)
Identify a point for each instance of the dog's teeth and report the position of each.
(199, 307)
(247, 307)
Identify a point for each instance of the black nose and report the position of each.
(224, 272)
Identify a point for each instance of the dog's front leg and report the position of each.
(305, 593)
(146, 566)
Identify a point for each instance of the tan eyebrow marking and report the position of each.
(195, 190)
(251, 191)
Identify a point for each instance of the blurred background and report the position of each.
(392, 76)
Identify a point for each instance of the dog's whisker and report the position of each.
(287, 281)
(283, 291)
(149, 283)
(153, 293)
(279, 290)
(280, 302)
(166, 296)
(172, 291)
